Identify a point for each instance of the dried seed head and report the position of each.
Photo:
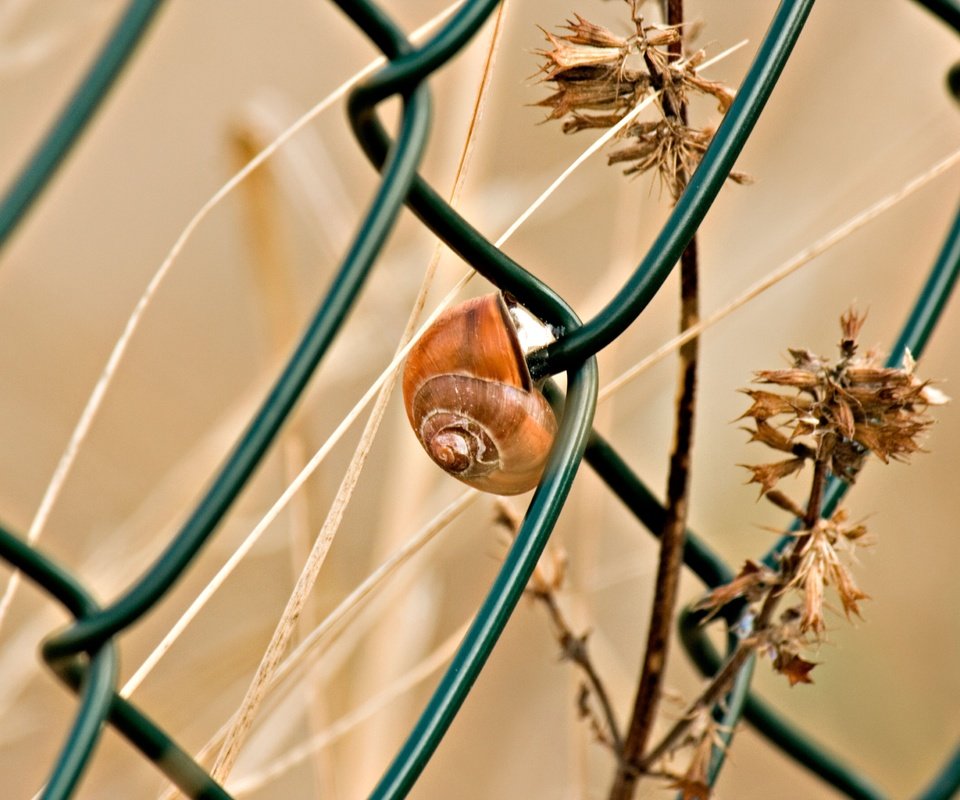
(850, 407)
(838, 413)
(600, 76)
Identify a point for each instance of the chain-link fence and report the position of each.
(84, 655)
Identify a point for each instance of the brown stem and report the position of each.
(716, 689)
(674, 12)
(677, 498)
(819, 483)
(723, 680)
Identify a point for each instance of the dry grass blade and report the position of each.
(335, 622)
(417, 674)
(278, 644)
(802, 258)
(95, 401)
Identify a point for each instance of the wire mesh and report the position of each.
(84, 655)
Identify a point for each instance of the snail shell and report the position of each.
(472, 403)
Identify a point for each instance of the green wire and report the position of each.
(945, 784)
(73, 119)
(505, 592)
(95, 689)
(94, 682)
(947, 10)
(732, 711)
(264, 426)
(156, 745)
(641, 502)
(491, 262)
(692, 207)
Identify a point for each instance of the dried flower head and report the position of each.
(600, 77)
(833, 415)
(842, 410)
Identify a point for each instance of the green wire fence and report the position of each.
(84, 654)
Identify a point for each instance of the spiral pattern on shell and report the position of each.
(471, 402)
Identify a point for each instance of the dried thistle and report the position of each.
(600, 77)
(849, 408)
(838, 413)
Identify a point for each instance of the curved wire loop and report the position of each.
(93, 676)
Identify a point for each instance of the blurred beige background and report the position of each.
(860, 110)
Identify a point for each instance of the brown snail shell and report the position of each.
(472, 403)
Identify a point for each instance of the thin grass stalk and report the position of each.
(271, 659)
(104, 381)
(344, 615)
(785, 270)
(400, 686)
(272, 264)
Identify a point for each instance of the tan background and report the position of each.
(860, 110)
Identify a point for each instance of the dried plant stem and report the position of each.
(717, 687)
(670, 561)
(276, 291)
(547, 579)
(575, 650)
(721, 682)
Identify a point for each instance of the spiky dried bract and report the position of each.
(768, 475)
(795, 669)
(848, 407)
(818, 565)
(751, 583)
(600, 76)
(704, 735)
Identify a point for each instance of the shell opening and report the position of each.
(532, 333)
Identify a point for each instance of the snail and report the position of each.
(470, 398)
